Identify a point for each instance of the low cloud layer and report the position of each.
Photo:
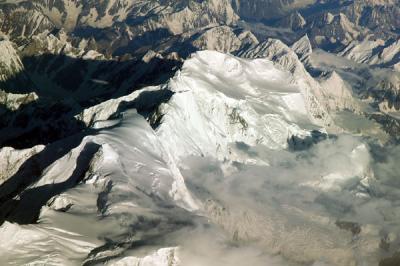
(334, 204)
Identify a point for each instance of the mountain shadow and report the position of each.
(21, 204)
(65, 87)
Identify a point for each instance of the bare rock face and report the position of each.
(10, 63)
(144, 22)
(379, 15)
(385, 90)
(330, 31)
(13, 76)
(294, 21)
(20, 20)
(11, 160)
(134, 26)
(175, 16)
(374, 52)
(13, 101)
(224, 39)
(267, 9)
(303, 48)
(338, 94)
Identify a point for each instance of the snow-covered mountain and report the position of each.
(199, 132)
(134, 182)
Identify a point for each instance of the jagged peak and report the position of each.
(49, 42)
(333, 75)
(224, 39)
(10, 62)
(248, 35)
(373, 51)
(389, 52)
(267, 48)
(338, 94)
(280, 53)
(296, 21)
(302, 47)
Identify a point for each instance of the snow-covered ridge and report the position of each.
(207, 149)
(218, 99)
(223, 99)
(104, 111)
(285, 58)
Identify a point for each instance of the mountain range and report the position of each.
(199, 132)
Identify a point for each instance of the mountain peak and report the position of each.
(10, 65)
(302, 47)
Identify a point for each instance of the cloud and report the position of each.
(332, 204)
(212, 246)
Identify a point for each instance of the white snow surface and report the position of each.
(222, 99)
(285, 58)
